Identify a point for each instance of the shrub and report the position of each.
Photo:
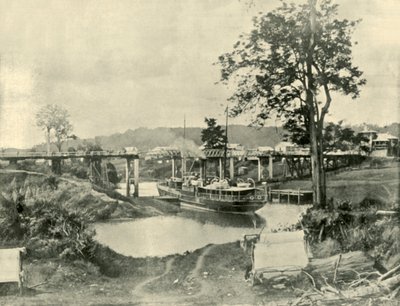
(47, 228)
(354, 227)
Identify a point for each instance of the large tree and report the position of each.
(288, 67)
(213, 136)
(334, 136)
(54, 120)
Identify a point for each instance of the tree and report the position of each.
(335, 137)
(289, 65)
(213, 136)
(54, 120)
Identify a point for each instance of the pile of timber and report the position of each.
(348, 276)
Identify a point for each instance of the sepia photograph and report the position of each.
(199, 152)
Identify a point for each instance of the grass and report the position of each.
(357, 185)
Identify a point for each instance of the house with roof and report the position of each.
(286, 147)
(385, 144)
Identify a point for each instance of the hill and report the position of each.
(146, 138)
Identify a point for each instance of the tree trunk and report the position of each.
(48, 130)
(48, 141)
(317, 168)
(318, 181)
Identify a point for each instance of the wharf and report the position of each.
(290, 196)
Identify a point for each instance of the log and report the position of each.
(351, 265)
(389, 273)
(359, 292)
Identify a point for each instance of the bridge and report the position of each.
(295, 164)
(97, 167)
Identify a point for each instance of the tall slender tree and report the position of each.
(213, 136)
(288, 66)
(54, 120)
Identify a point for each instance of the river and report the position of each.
(189, 229)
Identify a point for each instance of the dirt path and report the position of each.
(195, 279)
(139, 289)
(200, 262)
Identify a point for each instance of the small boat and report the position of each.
(218, 196)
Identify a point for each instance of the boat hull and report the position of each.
(222, 206)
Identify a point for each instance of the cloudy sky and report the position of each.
(122, 64)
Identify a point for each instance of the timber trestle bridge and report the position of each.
(292, 164)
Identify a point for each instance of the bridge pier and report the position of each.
(172, 167)
(271, 167)
(127, 177)
(136, 177)
(259, 169)
(95, 170)
(220, 169)
(183, 166)
(231, 168)
(56, 166)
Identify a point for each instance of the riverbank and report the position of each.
(212, 275)
(208, 276)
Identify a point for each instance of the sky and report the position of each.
(118, 65)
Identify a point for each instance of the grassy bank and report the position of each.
(213, 275)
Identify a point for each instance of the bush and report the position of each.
(349, 227)
(47, 228)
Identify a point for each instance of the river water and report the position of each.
(189, 229)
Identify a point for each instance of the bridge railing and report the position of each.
(21, 154)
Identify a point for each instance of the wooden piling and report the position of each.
(231, 168)
(220, 169)
(298, 196)
(136, 177)
(127, 174)
(271, 166)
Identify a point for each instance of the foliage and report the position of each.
(54, 120)
(335, 136)
(213, 136)
(49, 217)
(274, 57)
(112, 174)
(78, 170)
(355, 227)
(289, 65)
(298, 132)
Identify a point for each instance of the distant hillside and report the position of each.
(145, 138)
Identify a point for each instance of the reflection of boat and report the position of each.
(218, 196)
(225, 220)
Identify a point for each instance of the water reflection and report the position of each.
(190, 229)
(224, 220)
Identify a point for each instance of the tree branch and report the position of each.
(328, 101)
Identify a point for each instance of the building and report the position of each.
(286, 147)
(385, 145)
(381, 144)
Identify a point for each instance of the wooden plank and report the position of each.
(11, 266)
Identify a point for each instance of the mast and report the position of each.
(183, 152)
(226, 143)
